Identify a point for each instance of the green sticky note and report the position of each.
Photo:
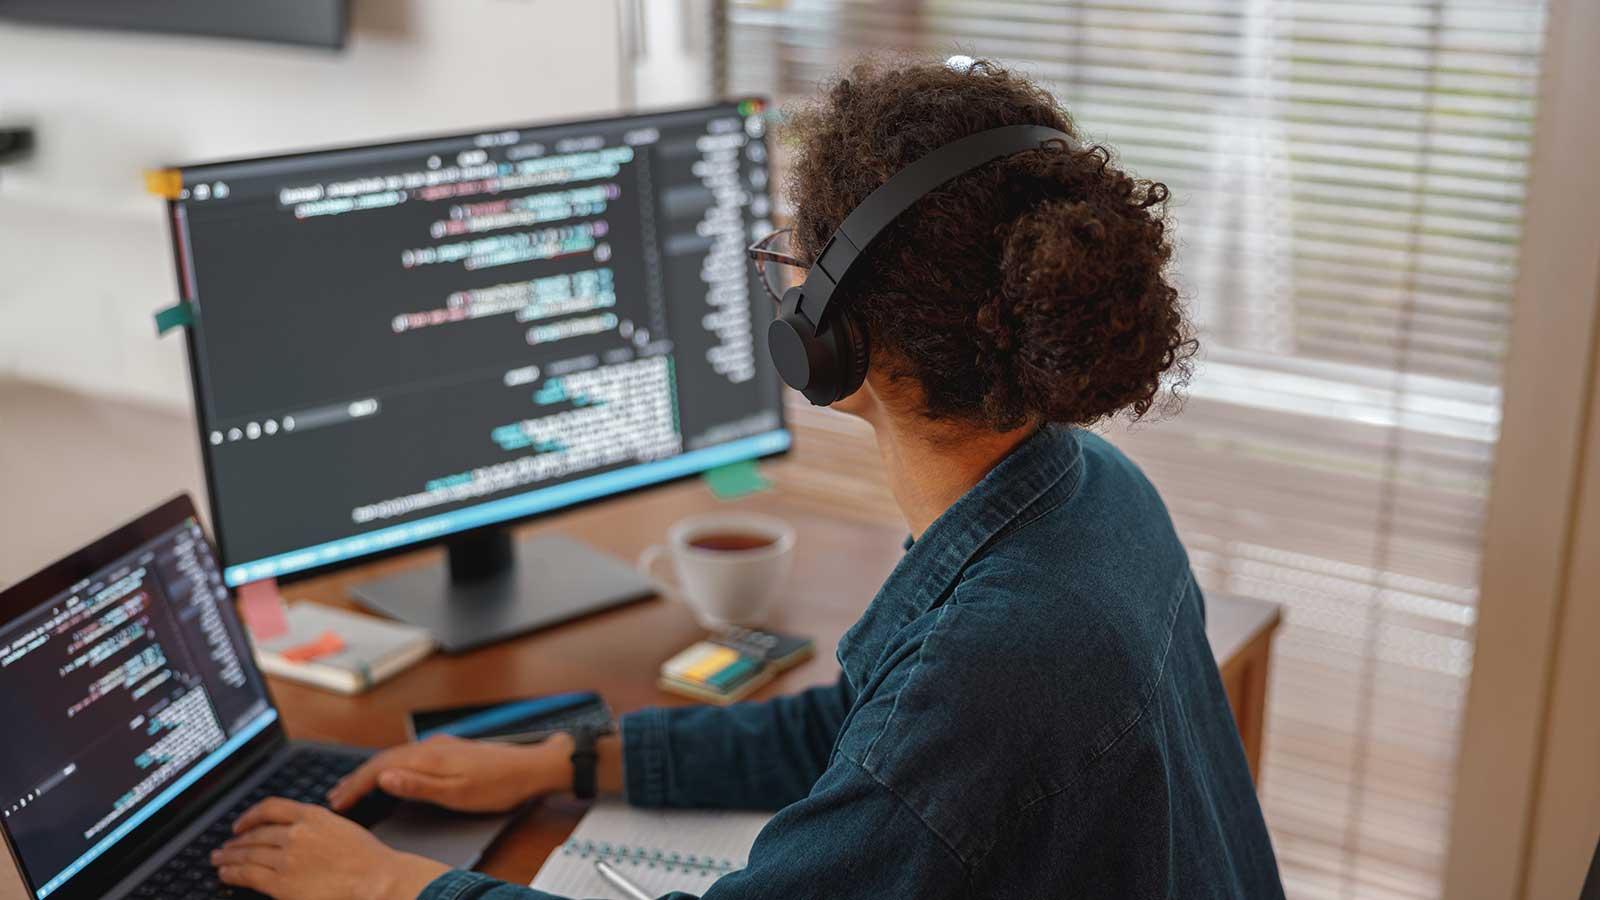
(174, 316)
(736, 480)
(736, 673)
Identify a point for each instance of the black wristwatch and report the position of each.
(583, 763)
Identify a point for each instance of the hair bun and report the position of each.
(1085, 322)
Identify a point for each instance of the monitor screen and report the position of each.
(396, 343)
(134, 683)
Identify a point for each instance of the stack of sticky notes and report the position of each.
(730, 665)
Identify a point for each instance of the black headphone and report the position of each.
(825, 357)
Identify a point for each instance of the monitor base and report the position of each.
(549, 580)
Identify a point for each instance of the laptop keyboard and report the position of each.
(305, 776)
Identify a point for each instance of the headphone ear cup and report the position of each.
(826, 367)
(851, 354)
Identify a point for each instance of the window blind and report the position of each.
(1347, 184)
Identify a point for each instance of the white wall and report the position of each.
(669, 45)
(84, 258)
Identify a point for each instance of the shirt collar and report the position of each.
(1040, 471)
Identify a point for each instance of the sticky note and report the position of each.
(324, 644)
(175, 316)
(711, 663)
(261, 607)
(736, 672)
(736, 479)
(164, 183)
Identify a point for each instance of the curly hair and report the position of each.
(1031, 289)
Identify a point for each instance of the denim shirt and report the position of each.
(1028, 709)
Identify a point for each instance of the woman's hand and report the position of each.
(471, 776)
(295, 851)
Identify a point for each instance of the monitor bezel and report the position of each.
(100, 875)
(335, 39)
(196, 352)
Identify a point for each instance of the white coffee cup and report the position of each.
(724, 586)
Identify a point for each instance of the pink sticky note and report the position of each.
(261, 607)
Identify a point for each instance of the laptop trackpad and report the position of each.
(455, 839)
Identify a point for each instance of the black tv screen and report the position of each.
(321, 23)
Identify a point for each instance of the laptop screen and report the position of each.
(131, 684)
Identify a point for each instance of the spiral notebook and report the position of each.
(659, 850)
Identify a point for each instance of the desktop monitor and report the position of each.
(426, 341)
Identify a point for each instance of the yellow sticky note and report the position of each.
(713, 661)
(165, 183)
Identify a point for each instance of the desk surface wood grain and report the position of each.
(83, 465)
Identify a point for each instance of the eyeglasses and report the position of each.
(774, 248)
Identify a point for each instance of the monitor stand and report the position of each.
(495, 588)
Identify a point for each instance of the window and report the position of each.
(1347, 183)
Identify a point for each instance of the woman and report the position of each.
(1028, 707)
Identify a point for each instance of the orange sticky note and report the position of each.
(324, 644)
(165, 183)
(261, 607)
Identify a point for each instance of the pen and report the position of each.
(619, 881)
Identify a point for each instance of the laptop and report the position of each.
(138, 726)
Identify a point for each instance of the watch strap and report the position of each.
(584, 759)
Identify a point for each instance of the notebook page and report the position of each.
(659, 850)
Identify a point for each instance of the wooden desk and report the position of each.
(839, 564)
(1241, 632)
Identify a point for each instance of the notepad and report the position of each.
(339, 650)
(660, 850)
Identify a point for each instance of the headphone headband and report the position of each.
(892, 198)
(826, 358)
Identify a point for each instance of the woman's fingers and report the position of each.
(262, 836)
(258, 855)
(347, 790)
(408, 784)
(424, 757)
(256, 878)
(271, 811)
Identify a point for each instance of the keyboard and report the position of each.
(305, 776)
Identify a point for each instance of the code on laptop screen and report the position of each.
(134, 683)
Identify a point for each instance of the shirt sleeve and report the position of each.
(763, 755)
(458, 885)
(851, 839)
